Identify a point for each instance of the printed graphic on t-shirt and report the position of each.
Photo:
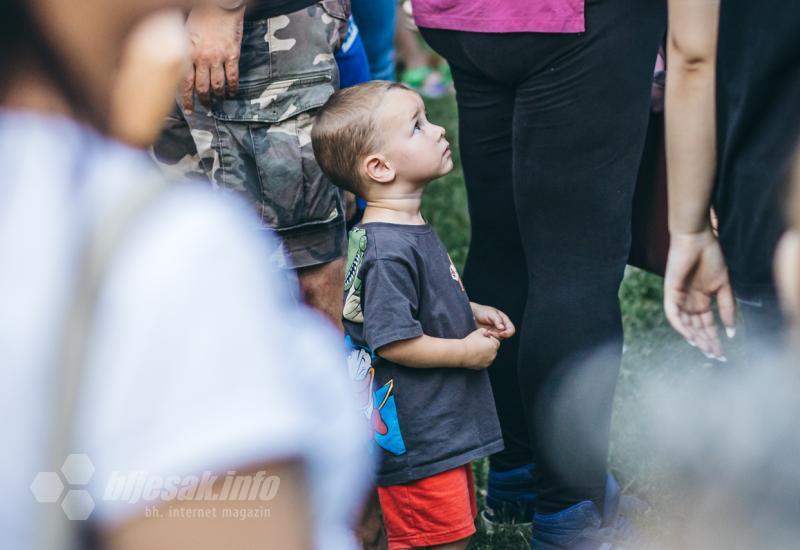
(356, 246)
(385, 423)
(454, 273)
(378, 406)
(359, 366)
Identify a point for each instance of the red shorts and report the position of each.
(430, 511)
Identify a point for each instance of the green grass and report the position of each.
(653, 351)
(445, 201)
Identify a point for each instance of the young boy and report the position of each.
(417, 344)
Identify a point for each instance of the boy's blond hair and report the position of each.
(344, 132)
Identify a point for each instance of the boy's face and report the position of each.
(416, 149)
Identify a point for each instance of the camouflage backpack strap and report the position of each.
(356, 247)
(97, 253)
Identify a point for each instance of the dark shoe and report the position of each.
(510, 498)
(583, 527)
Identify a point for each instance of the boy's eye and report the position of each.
(417, 127)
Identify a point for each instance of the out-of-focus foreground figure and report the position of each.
(154, 60)
(198, 370)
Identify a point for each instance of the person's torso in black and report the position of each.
(758, 122)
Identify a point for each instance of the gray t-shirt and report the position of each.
(401, 284)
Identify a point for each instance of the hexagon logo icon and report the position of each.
(77, 469)
(47, 487)
(78, 505)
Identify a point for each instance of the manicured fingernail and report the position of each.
(709, 356)
(187, 111)
(730, 331)
(501, 326)
(722, 359)
(691, 343)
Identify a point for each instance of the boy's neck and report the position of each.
(400, 208)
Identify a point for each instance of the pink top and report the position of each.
(562, 16)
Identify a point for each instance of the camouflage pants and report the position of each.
(258, 142)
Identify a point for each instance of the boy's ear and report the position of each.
(378, 168)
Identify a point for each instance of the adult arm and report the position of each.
(202, 525)
(696, 270)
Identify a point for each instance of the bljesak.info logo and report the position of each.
(245, 495)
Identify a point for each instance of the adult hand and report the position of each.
(215, 35)
(696, 273)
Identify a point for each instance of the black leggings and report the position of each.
(552, 128)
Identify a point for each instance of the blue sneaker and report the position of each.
(510, 498)
(583, 527)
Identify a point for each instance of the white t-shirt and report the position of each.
(198, 360)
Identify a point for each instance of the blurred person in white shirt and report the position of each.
(197, 361)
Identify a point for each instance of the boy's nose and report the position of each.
(442, 131)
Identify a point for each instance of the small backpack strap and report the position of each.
(95, 259)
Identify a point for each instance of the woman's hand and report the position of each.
(492, 319)
(696, 273)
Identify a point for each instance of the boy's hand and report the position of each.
(492, 319)
(480, 349)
